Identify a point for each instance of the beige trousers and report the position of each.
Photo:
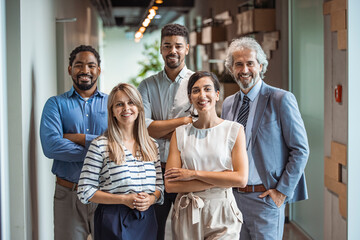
(73, 220)
(209, 214)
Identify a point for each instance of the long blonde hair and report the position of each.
(148, 149)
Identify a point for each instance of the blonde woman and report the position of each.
(206, 159)
(122, 171)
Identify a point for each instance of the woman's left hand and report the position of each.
(179, 174)
(143, 201)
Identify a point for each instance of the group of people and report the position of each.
(121, 161)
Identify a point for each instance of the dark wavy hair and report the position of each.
(83, 48)
(174, 29)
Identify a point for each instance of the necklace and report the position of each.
(137, 154)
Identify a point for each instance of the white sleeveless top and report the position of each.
(207, 149)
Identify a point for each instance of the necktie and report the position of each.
(244, 112)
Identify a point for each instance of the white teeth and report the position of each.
(84, 78)
(202, 103)
(245, 75)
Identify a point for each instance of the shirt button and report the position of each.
(87, 115)
(87, 129)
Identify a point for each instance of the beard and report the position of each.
(245, 85)
(84, 86)
(172, 65)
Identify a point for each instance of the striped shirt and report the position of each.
(132, 176)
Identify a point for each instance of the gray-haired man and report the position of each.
(276, 143)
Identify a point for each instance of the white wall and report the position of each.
(30, 75)
(4, 186)
(31, 62)
(353, 230)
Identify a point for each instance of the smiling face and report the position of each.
(173, 50)
(124, 109)
(246, 69)
(203, 94)
(84, 71)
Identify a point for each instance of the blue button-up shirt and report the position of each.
(70, 113)
(253, 95)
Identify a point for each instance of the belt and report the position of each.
(163, 165)
(251, 188)
(66, 183)
(197, 203)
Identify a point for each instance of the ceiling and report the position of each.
(131, 13)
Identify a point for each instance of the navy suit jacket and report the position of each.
(279, 142)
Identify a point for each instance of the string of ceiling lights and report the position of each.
(152, 13)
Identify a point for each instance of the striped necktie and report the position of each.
(244, 112)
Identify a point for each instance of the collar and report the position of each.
(179, 77)
(252, 94)
(72, 92)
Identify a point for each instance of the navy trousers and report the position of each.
(119, 222)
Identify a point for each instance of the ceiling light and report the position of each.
(155, 8)
(157, 16)
(142, 29)
(152, 11)
(138, 34)
(146, 22)
(158, 1)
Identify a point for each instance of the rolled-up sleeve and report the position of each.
(90, 173)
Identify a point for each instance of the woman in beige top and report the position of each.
(206, 159)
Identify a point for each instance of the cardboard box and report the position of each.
(339, 152)
(194, 38)
(327, 7)
(228, 89)
(343, 206)
(342, 39)
(332, 169)
(338, 20)
(256, 20)
(239, 18)
(337, 5)
(213, 34)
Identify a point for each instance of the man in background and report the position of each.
(166, 102)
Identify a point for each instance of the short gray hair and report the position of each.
(246, 43)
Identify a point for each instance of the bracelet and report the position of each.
(156, 198)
